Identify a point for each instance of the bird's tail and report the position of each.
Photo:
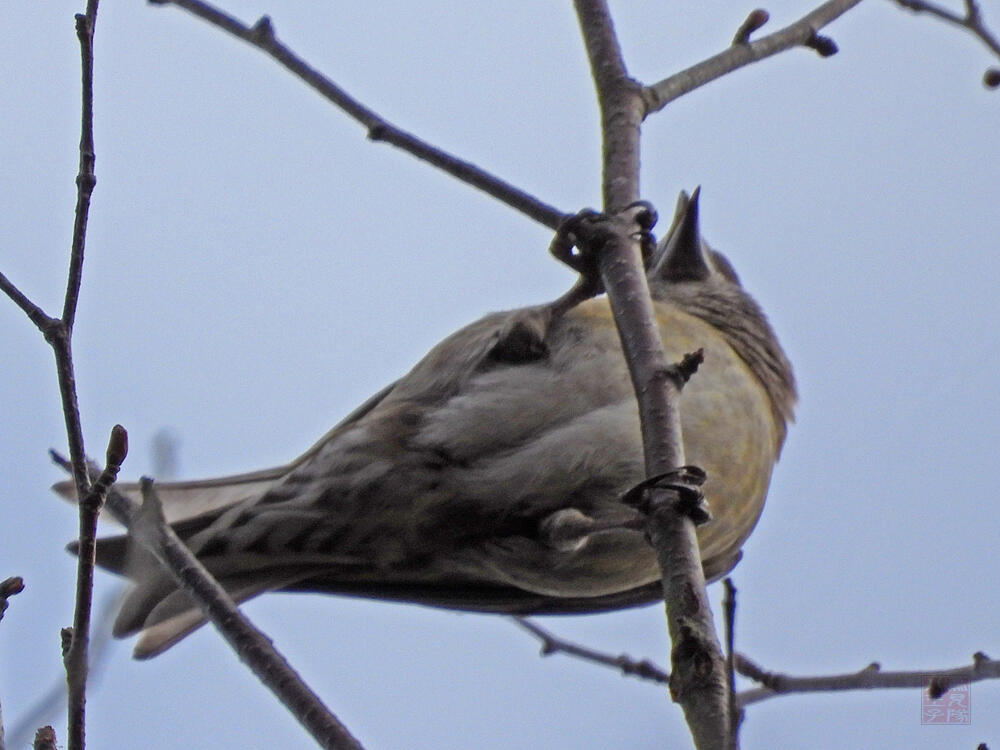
(154, 606)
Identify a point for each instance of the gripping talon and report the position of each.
(686, 481)
(565, 245)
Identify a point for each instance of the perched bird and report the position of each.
(490, 477)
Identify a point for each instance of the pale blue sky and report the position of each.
(256, 268)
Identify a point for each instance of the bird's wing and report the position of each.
(187, 499)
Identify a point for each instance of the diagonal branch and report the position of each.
(147, 525)
(801, 33)
(262, 36)
(972, 20)
(552, 644)
(35, 314)
(698, 680)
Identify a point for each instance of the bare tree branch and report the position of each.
(76, 656)
(552, 644)
(45, 739)
(262, 36)
(8, 588)
(85, 179)
(53, 701)
(801, 33)
(869, 678)
(972, 21)
(697, 678)
(147, 525)
(774, 684)
(58, 332)
(729, 615)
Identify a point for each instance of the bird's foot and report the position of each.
(581, 237)
(685, 484)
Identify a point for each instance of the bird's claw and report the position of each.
(685, 482)
(646, 217)
(573, 237)
(580, 236)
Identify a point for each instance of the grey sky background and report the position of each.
(255, 269)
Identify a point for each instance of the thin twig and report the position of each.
(85, 179)
(76, 656)
(775, 684)
(972, 20)
(552, 644)
(148, 526)
(262, 36)
(35, 314)
(76, 659)
(869, 678)
(729, 615)
(800, 33)
(8, 588)
(53, 701)
(697, 680)
(59, 332)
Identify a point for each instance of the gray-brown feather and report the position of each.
(439, 491)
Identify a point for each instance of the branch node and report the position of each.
(688, 366)
(117, 447)
(9, 587)
(263, 31)
(690, 660)
(757, 18)
(937, 687)
(824, 45)
(66, 640)
(991, 78)
(82, 25)
(45, 739)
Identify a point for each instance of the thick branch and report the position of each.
(262, 36)
(800, 33)
(698, 679)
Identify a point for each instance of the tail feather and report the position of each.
(163, 620)
(185, 500)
